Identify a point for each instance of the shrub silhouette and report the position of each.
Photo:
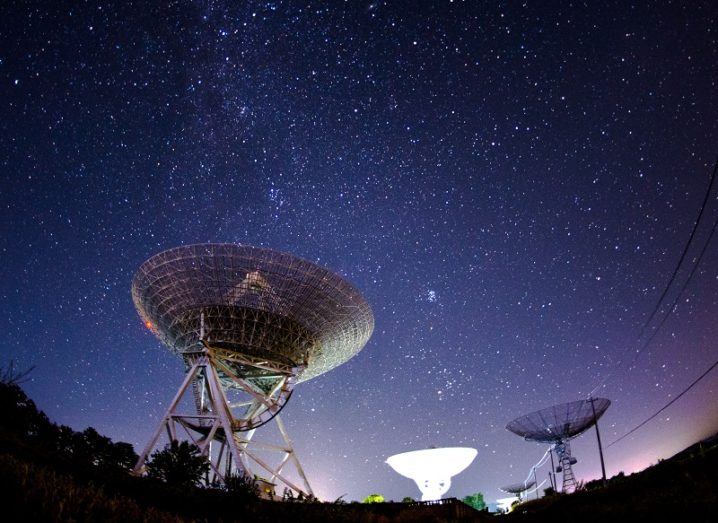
(374, 498)
(242, 485)
(475, 501)
(35, 493)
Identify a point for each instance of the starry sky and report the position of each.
(510, 185)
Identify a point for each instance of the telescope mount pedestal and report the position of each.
(563, 451)
(224, 438)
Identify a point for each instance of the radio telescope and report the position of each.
(432, 469)
(517, 489)
(249, 323)
(559, 424)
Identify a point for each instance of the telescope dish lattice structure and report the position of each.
(557, 425)
(249, 323)
(517, 489)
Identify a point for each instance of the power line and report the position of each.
(670, 282)
(685, 251)
(634, 429)
(680, 293)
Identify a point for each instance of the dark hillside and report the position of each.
(52, 473)
(684, 487)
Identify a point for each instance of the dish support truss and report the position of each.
(216, 417)
(566, 462)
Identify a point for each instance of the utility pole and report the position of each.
(552, 475)
(600, 447)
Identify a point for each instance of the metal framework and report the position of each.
(559, 424)
(249, 324)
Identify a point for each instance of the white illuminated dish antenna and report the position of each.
(432, 469)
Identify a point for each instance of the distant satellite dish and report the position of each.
(432, 469)
(559, 424)
(518, 488)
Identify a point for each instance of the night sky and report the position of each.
(510, 186)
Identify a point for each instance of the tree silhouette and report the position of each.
(20, 415)
(374, 498)
(178, 464)
(93, 448)
(476, 501)
(9, 375)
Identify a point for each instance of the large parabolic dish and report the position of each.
(258, 302)
(249, 324)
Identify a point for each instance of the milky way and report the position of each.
(511, 187)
